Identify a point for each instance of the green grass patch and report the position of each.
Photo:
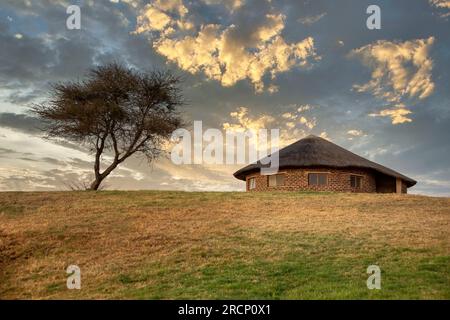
(308, 267)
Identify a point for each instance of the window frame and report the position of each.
(326, 174)
(357, 178)
(276, 180)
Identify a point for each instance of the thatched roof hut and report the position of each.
(314, 154)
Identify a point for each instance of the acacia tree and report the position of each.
(114, 110)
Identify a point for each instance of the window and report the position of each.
(251, 183)
(276, 180)
(318, 179)
(355, 181)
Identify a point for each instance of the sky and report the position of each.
(304, 67)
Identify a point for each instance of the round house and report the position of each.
(316, 164)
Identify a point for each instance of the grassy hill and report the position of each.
(169, 245)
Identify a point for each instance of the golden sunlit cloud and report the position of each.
(400, 71)
(397, 114)
(443, 5)
(292, 125)
(220, 52)
(440, 3)
(355, 133)
(324, 135)
(242, 121)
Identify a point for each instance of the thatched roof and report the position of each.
(314, 151)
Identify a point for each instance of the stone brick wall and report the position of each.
(297, 180)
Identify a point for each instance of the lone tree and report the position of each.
(114, 110)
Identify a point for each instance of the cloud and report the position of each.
(352, 134)
(293, 125)
(20, 122)
(29, 162)
(398, 114)
(156, 16)
(273, 88)
(227, 54)
(401, 71)
(45, 54)
(49, 52)
(309, 123)
(355, 133)
(440, 3)
(243, 121)
(304, 107)
(197, 177)
(231, 5)
(325, 136)
(309, 20)
(443, 5)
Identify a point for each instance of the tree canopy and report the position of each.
(114, 110)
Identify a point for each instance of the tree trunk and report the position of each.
(96, 183)
(99, 177)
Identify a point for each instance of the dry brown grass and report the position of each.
(112, 233)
